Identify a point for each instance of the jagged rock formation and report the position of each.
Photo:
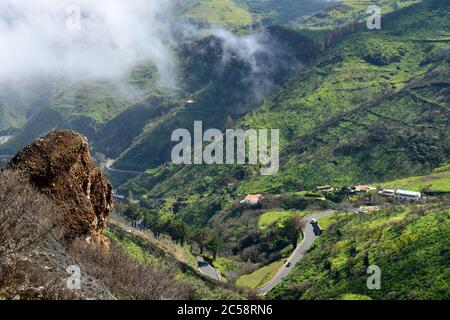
(59, 165)
(35, 261)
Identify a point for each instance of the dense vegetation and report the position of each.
(363, 107)
(343, 119)
(373, 107)
(408, 243)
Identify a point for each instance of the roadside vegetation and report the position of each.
(261, 276)
(407, 242)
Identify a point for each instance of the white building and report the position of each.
(407, 195)
(387, 193)
(403, 195)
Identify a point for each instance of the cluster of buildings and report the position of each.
(397, 194)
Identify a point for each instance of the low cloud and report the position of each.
(83, 38)
(88, 39)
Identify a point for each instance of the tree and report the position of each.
(201, 238)
(345, 206)
(27, 219)
(229, 122)
(293, 228)
(215, 244)
(133, 213)
(395, 5)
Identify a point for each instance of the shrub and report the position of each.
(128, 278)
(25, 218)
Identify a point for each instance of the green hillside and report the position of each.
(347, 11)
(408, 244)
(282, 12)
(83, 107)
(221, 12)
(220, 83)
(147, 252)
(436, 182)
(347, 117)
(244, 13)
(18, 101)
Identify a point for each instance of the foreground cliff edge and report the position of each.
(50, 195)
(60, 166)
(54, 205)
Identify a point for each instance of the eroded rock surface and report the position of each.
(59, 165)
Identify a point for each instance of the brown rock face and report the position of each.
(59, 165)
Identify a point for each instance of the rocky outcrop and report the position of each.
(59, 165)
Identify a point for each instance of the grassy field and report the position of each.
(261, 276)
(398, 240)
(325, 222)
(221, 12)
(439, 180)
(269, 218)
(347, 11)
(351, 296)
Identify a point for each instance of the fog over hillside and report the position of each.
(86, 39)
(82, 38)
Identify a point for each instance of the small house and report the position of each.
(252, 199)
(387, 193)
(325, 189)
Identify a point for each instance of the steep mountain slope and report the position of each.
(282, 12)
(82, 106)
(347, 11)
(19, 101)
(242, 14)
(221, 76)
(374, 107)
(219, 81)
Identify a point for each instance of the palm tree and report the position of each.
(293, 228)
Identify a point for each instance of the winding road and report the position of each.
(309, 236)
(6, 157)
(109, 167)
(4, 139)
(207, 270)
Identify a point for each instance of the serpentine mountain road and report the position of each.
(207, 270)
(298, 254)
(109, 167)
(309, 237)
